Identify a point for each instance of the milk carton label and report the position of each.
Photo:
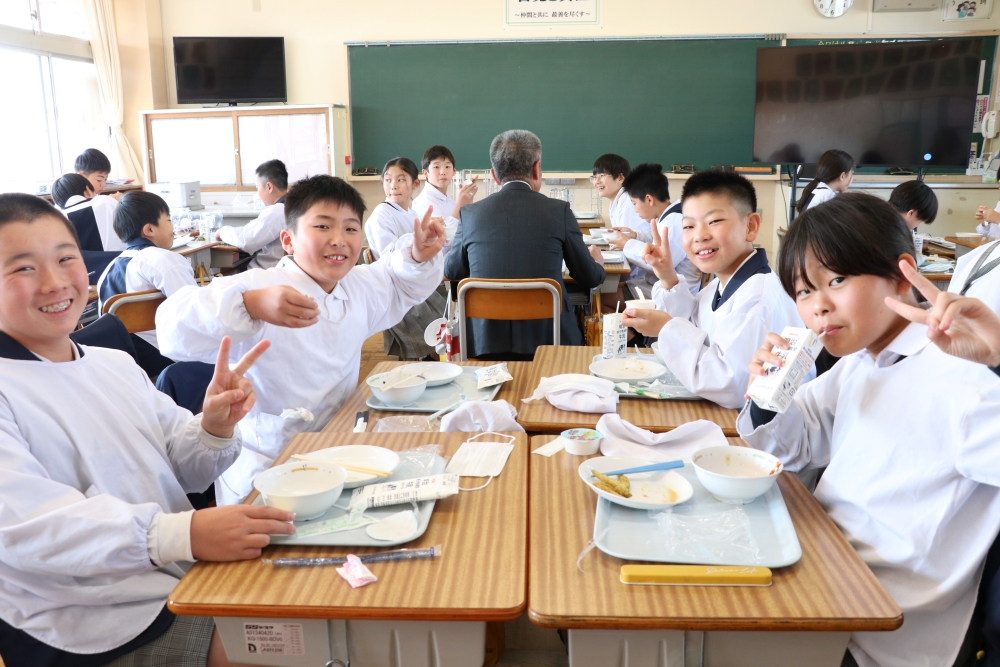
(615, 337)
(775, 389)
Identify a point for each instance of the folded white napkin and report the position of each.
(577, 393)
(624, 439)
(478, 416)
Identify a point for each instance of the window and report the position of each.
(44, 55)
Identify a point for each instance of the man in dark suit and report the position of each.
(519, 233)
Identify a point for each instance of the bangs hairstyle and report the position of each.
(436, 153)
(273, 172)
(736, 188)
(70, 185)
(135, 211)
(646, 179)
(612, 165)
(853, 234)
(404, 163)
(21, 207)
(316, 189)
(92, 160)
(915, 196)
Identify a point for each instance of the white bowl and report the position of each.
(736, 475)
(405, 393)
(656, 351)
(597, 232)
(308, 488)
(613, 256)
(366, 456)
(437, 373)
(648, 304)
(627, 370)
(650, 490)
(611, 236)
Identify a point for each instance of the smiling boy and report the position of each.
(438, 166)
(708, 339)
(315, 306)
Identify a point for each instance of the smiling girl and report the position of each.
(911, 467)
(394, 217)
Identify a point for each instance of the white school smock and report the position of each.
(990, 229)
(710, 351)
(104, 214)
(386, 225)
(820, 194)
(261, 236)
(442, 203)
(986, 288)
(909, 442)
(670, 225)
(623, 214)
(96, 465)
(315, 367)
(152, 268)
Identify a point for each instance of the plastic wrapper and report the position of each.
(492, 375)
(404, 491)
(693, 535)
(406, 424)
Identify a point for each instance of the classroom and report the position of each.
(511, 333)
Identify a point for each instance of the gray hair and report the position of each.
(513, 153)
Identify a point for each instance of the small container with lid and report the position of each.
(582, 441)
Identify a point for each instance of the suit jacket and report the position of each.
(519, 233)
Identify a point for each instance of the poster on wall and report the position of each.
(966, 10)
(982, 106)
(535, 13)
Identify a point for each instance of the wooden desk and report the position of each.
(830, 591)
(933, 248)
(469, 582)
(590, 223)
(610, 269)
(511, 391)
(966, 244)
(657, 416)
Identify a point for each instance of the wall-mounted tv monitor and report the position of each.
(907, 104)
(229, 69)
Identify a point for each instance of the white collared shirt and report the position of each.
(388, 223)
(104, 214)
(623, 214)
(990, 229)
(910, 449)
(710, 351)
(820, 194)
(261, 236)
(669, 224)
(443, 205)
(986, 288)
(315, 367)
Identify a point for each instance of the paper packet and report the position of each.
(415, 489)
(491, 375)
(775, 389)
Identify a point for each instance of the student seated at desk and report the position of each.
(906, 432)
(706, 338)
(316, 307)
(649, 192)
(262, 237)
(393, 218)
(93, 215)
(608, 176)
(989, 221)
(916, 203)
(438, 167)
(834, 174)
(95, 166)
(95, 526)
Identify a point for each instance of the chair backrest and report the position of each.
(500, 299)
(368, 256)
(136, 310)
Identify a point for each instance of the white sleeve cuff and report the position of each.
(228, 236)
(168, 539)
(214, 442)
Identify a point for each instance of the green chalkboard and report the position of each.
(666, 101)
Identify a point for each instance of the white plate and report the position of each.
(585, 215)
(437, 373)
(650, 490)
(627, 370)
(613, 256)
(365, 456)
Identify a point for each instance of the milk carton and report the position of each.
(775, 389)
(615, 337)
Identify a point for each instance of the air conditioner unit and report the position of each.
(906, 5)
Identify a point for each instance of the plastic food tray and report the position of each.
(358, 537)
(635, 535)
(440, 397)
(673, 385)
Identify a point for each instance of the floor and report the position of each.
(528, 645)
(372, 352)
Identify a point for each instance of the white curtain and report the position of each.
(104, 43)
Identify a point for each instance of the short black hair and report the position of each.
(737, 188)
(436, 153)
(853, 234)
(404, 163)
(273, 172)
(69, 185)
(612, 165)
(92, 160)
(647, 179)
(21, 207)
(322, 188)
(915, 196)
(135, 211)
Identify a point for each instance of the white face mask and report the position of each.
(481, 459)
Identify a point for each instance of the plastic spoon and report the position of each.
(653, 467)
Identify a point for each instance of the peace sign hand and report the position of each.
(230, 395)
(428, 237)
(657, 255)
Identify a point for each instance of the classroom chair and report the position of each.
(106, 331)
(501, 299)
(137, 311)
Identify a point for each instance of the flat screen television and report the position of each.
(229, 69)
(907, 104)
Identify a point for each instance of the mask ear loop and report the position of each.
(477, 488)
